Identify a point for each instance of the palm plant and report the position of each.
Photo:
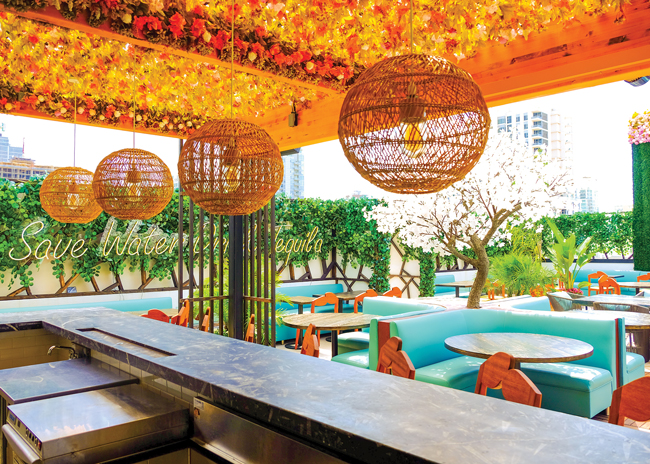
(568, 259)
(519, 273)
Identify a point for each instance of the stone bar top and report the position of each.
(358, 415)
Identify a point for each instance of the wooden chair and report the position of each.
(492, 372)
(597, 276)
(183, 315)
(607, 285)
(643, 277)
(328, 298)
(392, 360)
(518, 388)
(498, 372)
(310, 343)
(156, 315)
(395, 291)
(631, 401)
(359, 299)
(250, 332)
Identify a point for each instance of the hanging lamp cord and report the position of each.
(411, 14)
(134, 110)
(74, 144)
(232, 60)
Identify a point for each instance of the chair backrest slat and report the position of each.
(392, 360)
(518, 388)
(492, 371)
(395, 291)
(631, 401)
(156, 315)
(250, 331)
(328, 298)
(310, 344)
(359, 299)
(608, 285)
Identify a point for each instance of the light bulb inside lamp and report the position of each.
(412, 117)
(133, 181)
(231, 169)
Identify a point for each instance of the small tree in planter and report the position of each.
(510, 183)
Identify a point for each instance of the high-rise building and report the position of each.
(585, 198)
(8, 151)
(22, 169)
(293, 183)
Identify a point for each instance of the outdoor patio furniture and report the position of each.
(394, 292)
(392, 360)
(327, 299)
(359, 299)
(156, 315)
(597, 276)
(250, 331)
(381, 306)
(643, 277)
(136, 305)
(183, 315)
(457, 285)
(608, 285)
(311, 345)
(620, 275)
(582, 388)
(631, 401)
(561, 301)
(492, 372)
(639, 336)
(518, 388)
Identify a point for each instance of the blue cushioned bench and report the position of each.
(282, 332)
(134, 305)
(380, 306)
(581, 387)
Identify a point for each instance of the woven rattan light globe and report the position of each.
(230, 167)
(133, 184)
(67, 196)
(414, 124)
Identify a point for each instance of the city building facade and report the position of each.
(293, 183)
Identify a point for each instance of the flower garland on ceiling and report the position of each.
(323, 41)
(639, 128)
(173, 94)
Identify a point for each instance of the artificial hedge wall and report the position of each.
(641, 191)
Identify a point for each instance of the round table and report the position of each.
(329, 321)
(524, 347)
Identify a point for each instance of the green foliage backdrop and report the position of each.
(641, 190)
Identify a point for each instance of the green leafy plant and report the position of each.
(563, 254)
(519, 273)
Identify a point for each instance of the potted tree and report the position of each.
(568, 259)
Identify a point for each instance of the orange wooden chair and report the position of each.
(643, 277)
(183, 315)
(492, 372)
(156, 315)
(395, 291)
(250, 332)
(518, 388)
(328, 298)
(310, 344)
(498, 372)
(359, 299)
(392, 360)
(631, 401)
(595, 288)
(608, 285)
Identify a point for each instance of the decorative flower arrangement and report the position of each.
(639, 128)
(326, 41)
(173, 94)
(574, 291)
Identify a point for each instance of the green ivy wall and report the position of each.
(641, 227)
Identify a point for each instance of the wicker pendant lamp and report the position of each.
(230, 167)
(414, 123)
(67, 193)
(131, 183)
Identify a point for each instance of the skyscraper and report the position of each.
(293, 183)
(8, 151)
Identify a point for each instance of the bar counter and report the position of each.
(356, 415)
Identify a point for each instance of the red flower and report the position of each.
(261, 32)
(33, 39)
(31, 100)
(110, 109)
(150, 22)
(257, 48)
(220, 40)
(176, 24)
(306, 55)
(241, 44)
(3, 101)
(275, 49)
(198, 27)
(198, 10)
(297, 57)
(280, 58)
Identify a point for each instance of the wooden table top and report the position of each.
(613, 299)
(633, 320)
(460, 283)
(302, 299)
(329, 321)
(642, 284)
(524, 347)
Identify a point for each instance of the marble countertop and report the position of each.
(362, 416)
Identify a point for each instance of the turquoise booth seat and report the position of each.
(581, 387)
(282, 332)
(530, 303)
(380, 306)
(369, 356)
(134, 305)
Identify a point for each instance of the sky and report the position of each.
(599, 115)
